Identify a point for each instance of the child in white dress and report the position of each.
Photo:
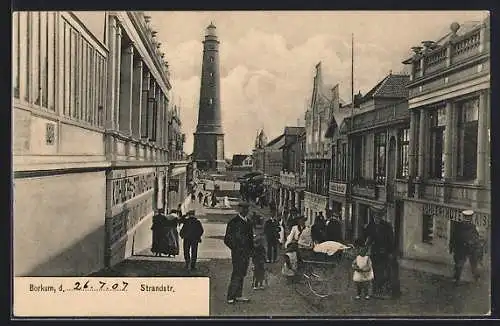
(363, 273)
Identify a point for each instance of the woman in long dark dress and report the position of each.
(160, 243)
(172, 236)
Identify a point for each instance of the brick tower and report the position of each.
(209, 137)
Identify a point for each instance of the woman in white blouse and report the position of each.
(300, 234)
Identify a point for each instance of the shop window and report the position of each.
(427, 228)
(467, 139)
(437, 128)
(404, 147)
(379, 164)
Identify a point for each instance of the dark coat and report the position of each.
(192, 230)
(464, 237)
(239, 236)
(318, 231)
(333, 231)
(272, 230)
(380, 237)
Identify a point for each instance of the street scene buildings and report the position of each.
(103, 148)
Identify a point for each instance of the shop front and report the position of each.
(339, 206)
(429, 226)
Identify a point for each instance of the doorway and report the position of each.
(398, 227)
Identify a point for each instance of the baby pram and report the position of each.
(318, 272)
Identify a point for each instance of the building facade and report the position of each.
(267, 156)
(90, 151)
(449, 147)
(379, 139)
(317, 156)
(292, 175)
(180, 166)
(209, 136)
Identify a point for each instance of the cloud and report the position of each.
(267, 76)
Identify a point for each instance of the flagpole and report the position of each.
(352, 78)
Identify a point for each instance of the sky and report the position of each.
(267, 60)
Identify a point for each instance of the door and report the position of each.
(398, 227)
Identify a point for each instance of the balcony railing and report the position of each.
(382, 115)
(459, 49)
(365, 188)
(456, 193)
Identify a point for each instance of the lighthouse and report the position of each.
(208, 149)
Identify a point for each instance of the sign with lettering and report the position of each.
(336, 187)
(454, 214)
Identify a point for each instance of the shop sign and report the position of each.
(479, 219)
(339, 188)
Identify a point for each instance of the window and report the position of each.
(82, 77)
(467, 139)
(427, 228)
(404, 147)
(379, 166)
(437, 127)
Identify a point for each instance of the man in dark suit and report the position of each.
(191, 233)
(465, 242)
(380, 237)
(239, 238)
(272, 232)
(333, 227)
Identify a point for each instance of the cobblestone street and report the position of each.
(423, 293)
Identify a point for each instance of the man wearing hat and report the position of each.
(333, 227)
(191, 233)
(465, 243)
(239, 239)
(380, 238)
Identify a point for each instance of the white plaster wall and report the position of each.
(81, 141)
(59, 224)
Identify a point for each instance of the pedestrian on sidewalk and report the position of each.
(172, 221)
(272, 232)
(191, 233)
(160, 243)
(239, 239)
(380, 239)
(200, 197)
(363, 271)
(258, 259)
(465, 243)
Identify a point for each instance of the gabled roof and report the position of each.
(238, 159)
(392, 86)
(275, 141)
(338, 118)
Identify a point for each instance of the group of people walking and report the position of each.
(166, 235)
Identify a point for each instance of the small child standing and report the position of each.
(259, 260)
(363, 273)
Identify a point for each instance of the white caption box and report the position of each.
(111, 297)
